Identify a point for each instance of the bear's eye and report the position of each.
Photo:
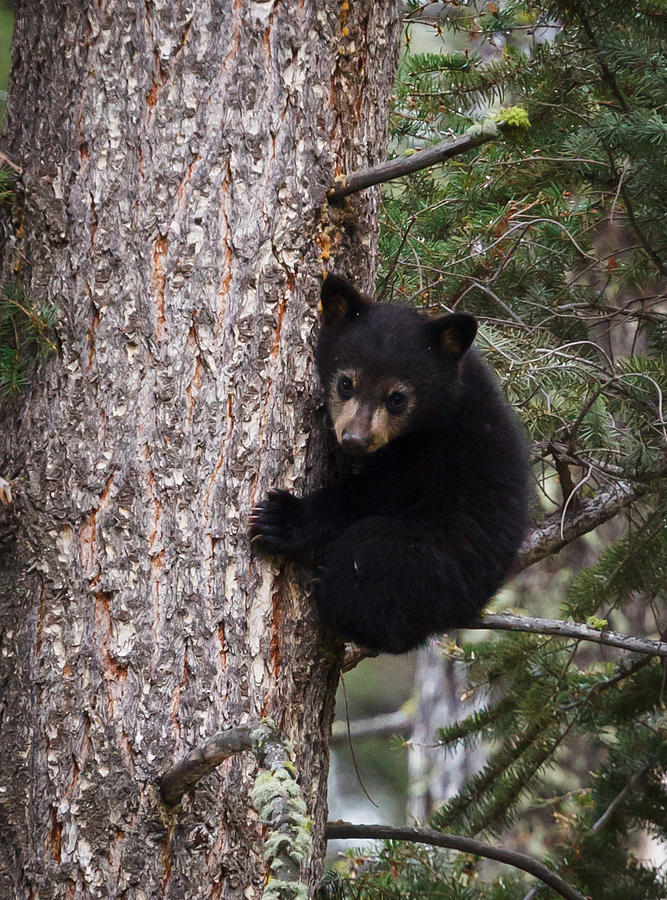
(395, 402)
(345, 386)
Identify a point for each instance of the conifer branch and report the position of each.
(554, 533)
(431, 156)
(606, 816)
(338, 830)
(632, 219)
(607, 74)
(618, 799)
(611, 81)
(575, 630)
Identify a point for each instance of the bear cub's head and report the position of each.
(387, 369)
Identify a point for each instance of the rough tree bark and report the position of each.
(175, 159)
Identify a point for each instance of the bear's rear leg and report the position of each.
(387, 588)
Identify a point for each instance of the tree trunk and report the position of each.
(175, 163)
(436, 774)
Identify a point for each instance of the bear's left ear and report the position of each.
(453, 334)
(340, 300)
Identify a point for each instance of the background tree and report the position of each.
(174, 162)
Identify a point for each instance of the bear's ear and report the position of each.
(340, 300)
(452, 334)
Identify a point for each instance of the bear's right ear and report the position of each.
(340, 300)
(452, 334)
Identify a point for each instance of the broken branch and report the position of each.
(422, 159)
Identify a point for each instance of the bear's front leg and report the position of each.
(290, 525)
(279, 524)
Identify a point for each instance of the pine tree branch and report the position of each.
(616, 802)
(554, 532)
(338, 830)
(606, 816)
(611, 81)
(575, 630)
(431, 156)
(607, 74)
(632, 219)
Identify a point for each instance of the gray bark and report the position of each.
(175, 160)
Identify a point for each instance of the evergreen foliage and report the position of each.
(24, 335)
(24, 328)
(397, 871)
(555, 238)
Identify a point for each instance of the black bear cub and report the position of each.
(419, 539)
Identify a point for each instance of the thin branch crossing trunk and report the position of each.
(175, 161)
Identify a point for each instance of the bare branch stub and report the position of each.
(423, 159)
(183, 776)
(276, 796)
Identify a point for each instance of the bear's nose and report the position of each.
(355, 442)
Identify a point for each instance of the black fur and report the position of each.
(422, 536)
